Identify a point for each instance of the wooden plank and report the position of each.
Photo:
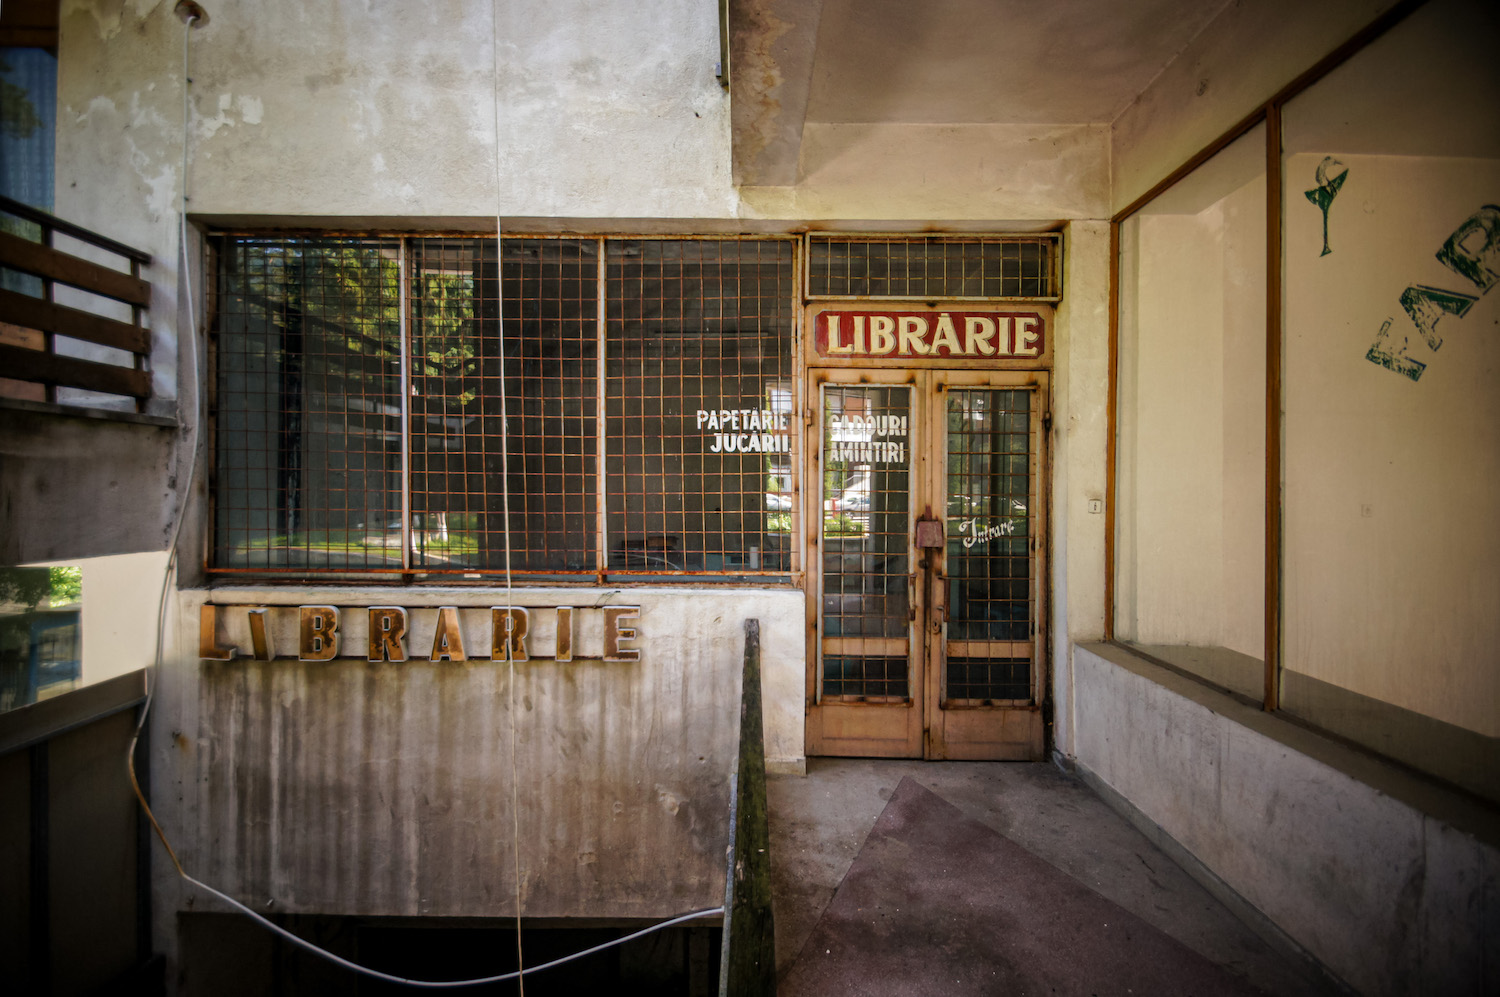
(880, 647)
(70, 372)
(42, 261)
(36, 313)
(22, 390)
(17, 335)
(989, 648)
(67, 228)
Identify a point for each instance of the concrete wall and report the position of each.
(59, 472)
(1079, 430)
(121, 600)
(604, 112)
(351, 787)
(1393, 887)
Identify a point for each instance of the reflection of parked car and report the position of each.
(778, 502)
(977, 505)
(854, 498)
(855, 502)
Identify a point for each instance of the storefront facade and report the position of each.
(525, 359)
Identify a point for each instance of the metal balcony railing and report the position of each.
(45, 323)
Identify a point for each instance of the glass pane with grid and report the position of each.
(865, 677)
(866, 525)
(699, 405)
(548, 361)
(990, 453)
(933, 267)
(308, 430)
(985, 680)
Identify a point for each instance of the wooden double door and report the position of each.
(927, 588)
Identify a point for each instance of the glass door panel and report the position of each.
(865, 541)
(988, 559)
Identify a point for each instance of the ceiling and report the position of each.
(994, 61)
(989, 62)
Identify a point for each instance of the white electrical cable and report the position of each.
(440, 984)
(170, 573)
(510, 619)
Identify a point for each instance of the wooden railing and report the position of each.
(32, 326)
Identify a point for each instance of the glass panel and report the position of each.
(866, 531)
(1392, 421)
(985, 680)
(1190, 485)
(28, 107)
(699, 405)
(308, 427)
(989, 499)
(865, 677)
(40, 636)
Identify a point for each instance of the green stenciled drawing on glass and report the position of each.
(1331, 175)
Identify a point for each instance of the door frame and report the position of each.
(922, 727)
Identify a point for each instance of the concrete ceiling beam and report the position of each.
(771, 46)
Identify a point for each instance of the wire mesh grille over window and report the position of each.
(308, 427)
(932, 267)
(548, 361)
(362, 425)
(699, 405)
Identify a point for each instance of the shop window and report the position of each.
(383, 402)
(1391, 556)
(1190, 480)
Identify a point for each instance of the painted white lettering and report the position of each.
(979, 336)
(835, 334)
(882, 335)
(944, 335)
(913, 336)
(1026, 337)
(1005, 333)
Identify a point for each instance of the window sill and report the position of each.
(1425, 795)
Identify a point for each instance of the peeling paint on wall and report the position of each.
(1330, 176)
(1472, 253)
